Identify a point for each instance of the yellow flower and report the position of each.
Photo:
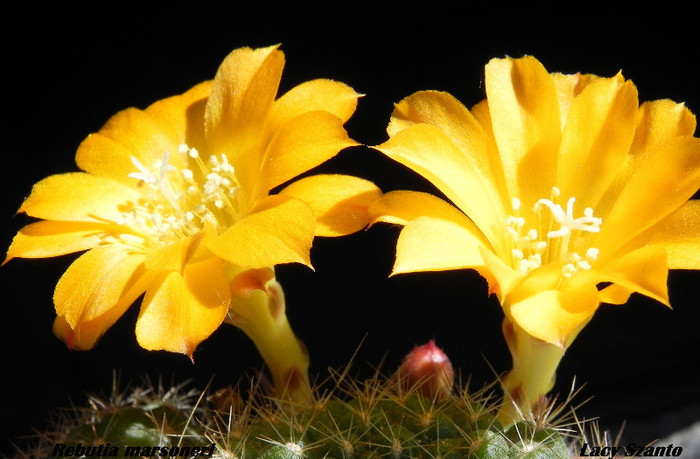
(565, 194)
(174, 204)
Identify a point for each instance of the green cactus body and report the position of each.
(371, 424)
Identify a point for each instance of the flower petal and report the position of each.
(597, 136)
(78, 197)
(555, 316)
(644, 270)
(340, 202)
(53, 238)
(174, 256)
(423, 213)
(280, 230)
(300, 144)
(129, 133)
(568, 88)
(525, 117)
(96, 290)
(146, 135)
(442, 110)
(660, 120)
(327, 95)
(242, 94)
(401, 207)
(435, 244)
(181, 117)
(614, 294)
(182, 310)
(680, 236)
(430, 152)
(667, 177)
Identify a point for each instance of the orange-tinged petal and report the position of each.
(78, 197)
(181, 118)
(427, 150)
(614, 294)
(181, 311)
(501, 277)
(300, 144)
(401, 207)
(556, 316)
(525, 117)
(327, 95)
(597, 136)
(86, 337)
(242, 94)
(174, 256)
(97, 281)
(644, 270)
(146, 135)
(442, 110)
(435, 244)
(96, 290)
(169, 257)
(280, 230)
(52, 238)
(129, 133)
(680, 236)
(421, 245)
(568, 88)
(660, 120)
(667, 177)
(340, 202)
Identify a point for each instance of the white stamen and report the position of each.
(568, 270)
(515, 204)
(592, 254)
(179, 205)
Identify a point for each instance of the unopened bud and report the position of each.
(428, 371)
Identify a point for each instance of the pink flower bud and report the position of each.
(428, 371)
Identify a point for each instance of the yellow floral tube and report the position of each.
(173, 203)
(564, 193)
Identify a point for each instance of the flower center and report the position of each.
(565, 236)
(180, 202)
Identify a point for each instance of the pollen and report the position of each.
(178, 201)
(565, 235)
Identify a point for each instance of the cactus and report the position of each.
(379, 417)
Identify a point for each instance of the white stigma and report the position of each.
(567, 222)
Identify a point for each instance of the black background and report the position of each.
(67, 71)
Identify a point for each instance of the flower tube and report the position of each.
(565, 193)
(173, 203)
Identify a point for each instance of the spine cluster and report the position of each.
(374, 419)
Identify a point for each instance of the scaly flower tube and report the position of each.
(174, 204)
(565, 194)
